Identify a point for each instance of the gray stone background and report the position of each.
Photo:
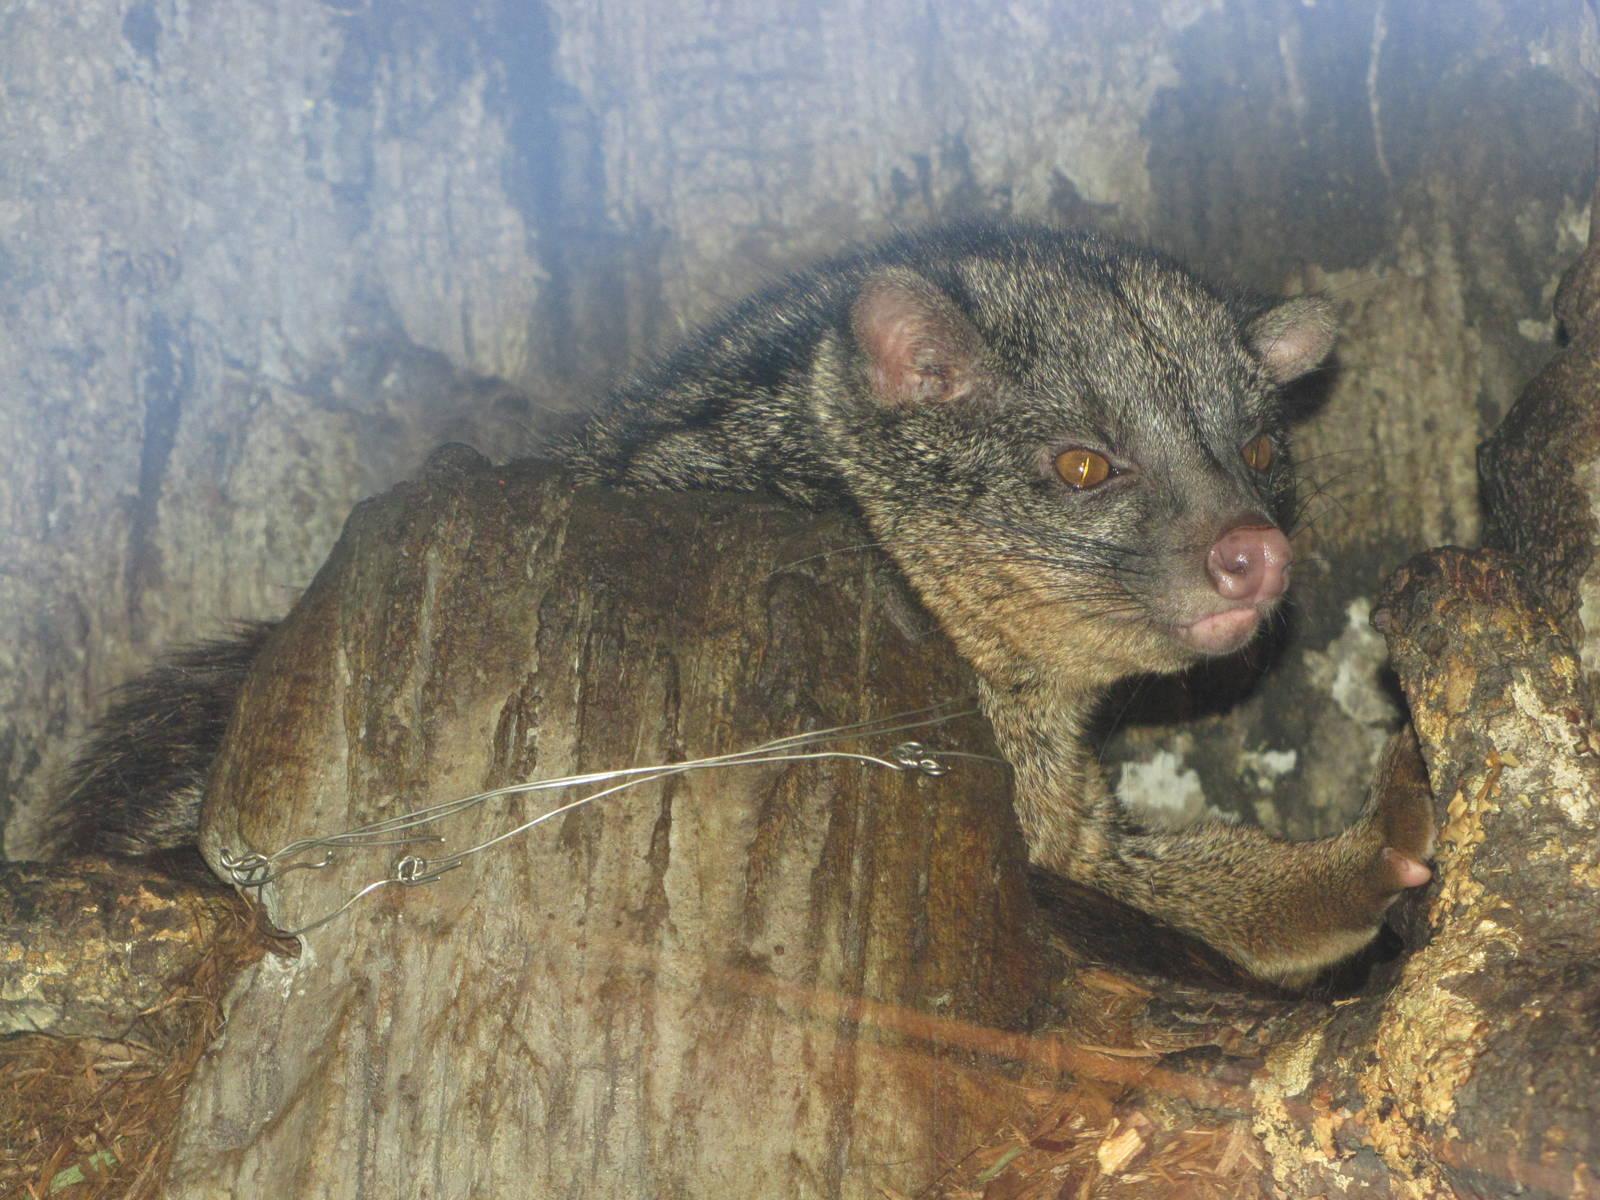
(256, 258)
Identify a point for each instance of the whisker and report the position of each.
(1301, 463)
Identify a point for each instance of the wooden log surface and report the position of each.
(870, 956)
(1476, 1072)
(781, 980)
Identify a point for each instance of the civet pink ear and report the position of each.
(1293, 338)
(921, 348)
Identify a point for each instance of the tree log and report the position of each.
(1476, 1074)
(779, 980)
(90, 946)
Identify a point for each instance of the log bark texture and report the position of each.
(774, 982)
(1476, 1073)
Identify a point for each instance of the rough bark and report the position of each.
(1477, 1072)
(776, 981)
(644, 993)
(673, 1033)
(1497, 1017)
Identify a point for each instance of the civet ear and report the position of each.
(1293, 338)
(920, 347)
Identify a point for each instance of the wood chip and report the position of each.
(1234, 1151)
(1125, 1143)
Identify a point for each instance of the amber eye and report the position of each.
(1082, 469)
(1258, 453)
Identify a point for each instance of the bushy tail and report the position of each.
(135, 788)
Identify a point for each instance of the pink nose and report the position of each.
(1250, 563)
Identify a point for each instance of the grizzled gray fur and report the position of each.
(1076, 453)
